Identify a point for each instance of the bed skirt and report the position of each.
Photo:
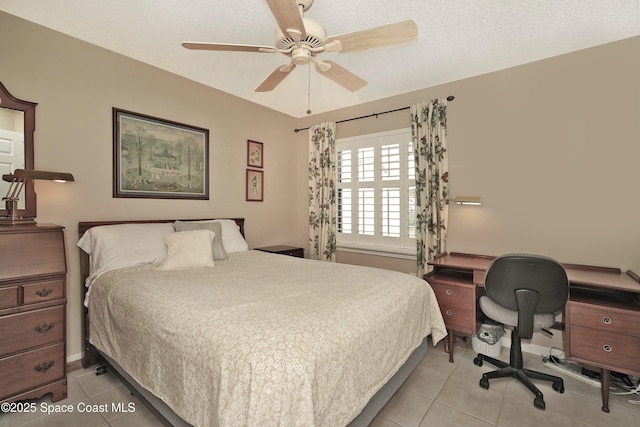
(375, 405)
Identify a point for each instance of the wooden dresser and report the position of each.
(32, 312)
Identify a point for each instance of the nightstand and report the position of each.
(284, 250)
(32, 312)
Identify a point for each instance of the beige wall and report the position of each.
(552, 148)
(76, 85)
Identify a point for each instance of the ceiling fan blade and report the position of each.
(275, 78)
(342, 76)
(288, 18)
(228, 47)
(383, 36)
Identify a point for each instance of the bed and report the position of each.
(211, 333)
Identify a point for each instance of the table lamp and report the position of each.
(17, 180)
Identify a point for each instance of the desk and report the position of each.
(601, 318)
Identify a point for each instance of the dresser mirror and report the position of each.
(17, 125)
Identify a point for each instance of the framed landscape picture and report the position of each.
(157, 158)
(255, 185)
(254, 154)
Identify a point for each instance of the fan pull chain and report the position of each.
(309, 90)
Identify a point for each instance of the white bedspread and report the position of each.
(262, 339)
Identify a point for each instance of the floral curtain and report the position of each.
(429, 135)
(322, 192)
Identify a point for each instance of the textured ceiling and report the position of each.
(457, 39)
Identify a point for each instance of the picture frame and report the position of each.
(255, 185)
(159, 159)
(255, 154)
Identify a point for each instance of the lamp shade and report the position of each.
(18, 179)
(468, 200)
(24, 174)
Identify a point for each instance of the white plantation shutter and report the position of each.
(376, 191)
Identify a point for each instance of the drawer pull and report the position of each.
(448, 312)
(607, 348)
(44, 292)
(448, 292)
(606, 320)
(44, 328)
(44, 366)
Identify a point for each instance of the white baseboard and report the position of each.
(74, 357)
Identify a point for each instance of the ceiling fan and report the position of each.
(302, 39)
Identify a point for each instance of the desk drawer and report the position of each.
(607, 319)
(31, 329)
(453, 295)
(457, 303)
(478, 277)
(43, 291)
(616, 351)
(458, 319)
(30, 370)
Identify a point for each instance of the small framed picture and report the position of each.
(255, 185)
(254, 154)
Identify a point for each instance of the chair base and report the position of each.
(514, 369)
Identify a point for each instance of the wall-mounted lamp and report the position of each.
(466, 200)
(17, 180)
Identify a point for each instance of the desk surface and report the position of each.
(578, 275)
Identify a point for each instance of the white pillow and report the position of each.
(219, 253)
(189, 249)
(231, 237)
(125, 245)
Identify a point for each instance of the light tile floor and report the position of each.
(438, 393)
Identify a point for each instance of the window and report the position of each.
(376, 192)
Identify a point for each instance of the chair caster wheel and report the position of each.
(477, 361)
(484, 383)
(538, 403)
(559, 387)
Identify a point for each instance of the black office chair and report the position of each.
(525, 292)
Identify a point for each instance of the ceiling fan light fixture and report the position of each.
(315, 36)
(302, 39)
(300, 56)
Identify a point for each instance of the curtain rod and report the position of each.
(449, 98)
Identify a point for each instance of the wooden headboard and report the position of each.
(89, 355)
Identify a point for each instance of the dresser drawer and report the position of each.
(29, 370)
(31, 329)
(616, 351)
(607, 319)
(42, 291)
(8, 296)
(31, 251)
